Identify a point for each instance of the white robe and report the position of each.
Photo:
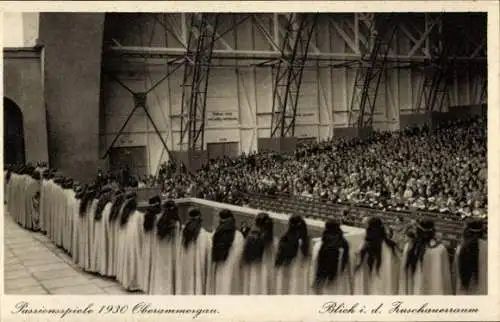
(225, 278)
(68, 220)
(43, 206)
(129, 251)
(76, 236)
(258, 278)
(192, 265)
(146, 258)
(92, 260)
(21, 205)
(342, 285)
(51, 209)
(112, 231)
(100, 245)
(164, 256)
(293, 279)
(479, 286)
(30, 214)
(60, 211)
(432, 276)
(382, 282)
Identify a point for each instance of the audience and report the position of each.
(440, 170)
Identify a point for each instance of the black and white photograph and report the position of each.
(245, 153)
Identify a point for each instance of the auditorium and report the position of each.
(273, 153)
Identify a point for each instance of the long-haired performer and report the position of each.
(471, 259)
(377, 263)
(293, 259)
(330, 262)
(258, 257)
(426, 264)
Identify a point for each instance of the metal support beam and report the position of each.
(289, 69)
(369, 75)
(140, 101)
(195, 84)
(434, 94)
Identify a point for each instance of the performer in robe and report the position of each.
(32, 189)
(44, 201)
(93, 265)
(20, 211)
(68, 198)
(112, 232)
(331, 272)
(194, 257)
(471, 261)
(129, 245)
(293, 259)
(377, 263)
(224, 275)
(258, 257)
(82, 225)
(80, 191)
(149, 235)
(165, 250)
(100, 243)
(426, 264)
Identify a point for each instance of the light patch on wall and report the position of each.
(20, 29)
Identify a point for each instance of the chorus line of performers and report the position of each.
(152, 251)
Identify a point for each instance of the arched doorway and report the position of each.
(13, 133)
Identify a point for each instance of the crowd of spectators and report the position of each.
(439, 170)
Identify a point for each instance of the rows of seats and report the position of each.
(447, 226)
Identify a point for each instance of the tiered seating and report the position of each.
(448, 227)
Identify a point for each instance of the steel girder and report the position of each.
(201, 39)
(288, 73)
(140, 101)
(434, 95)
(369, 75)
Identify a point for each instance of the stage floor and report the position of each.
(33, 265)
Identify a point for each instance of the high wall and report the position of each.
(22, 79)
(73, 43)
(240, 100)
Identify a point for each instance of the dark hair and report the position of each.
(259, 237)
(129, 206)
(192, 228)
(372, 247)
(332, 241)
(224, 236)
(289, 243)
(468, 256)
(87, 197)
(101, 204)
(168, 220)
(117, 204)
(8, 175)
(424, 233)
(150, 216)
